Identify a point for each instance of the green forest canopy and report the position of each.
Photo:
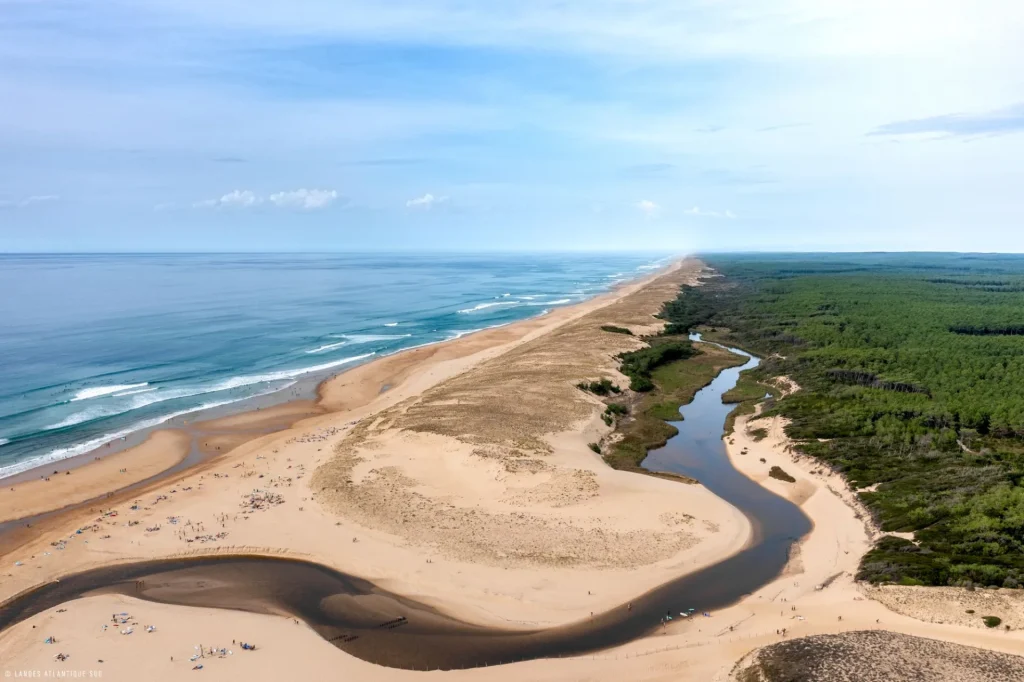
(909, 380)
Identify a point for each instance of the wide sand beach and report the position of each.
(458, 475)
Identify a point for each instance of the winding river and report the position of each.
(388, 629)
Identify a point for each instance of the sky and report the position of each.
(669, 125)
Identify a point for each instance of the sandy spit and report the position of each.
(372, 488)
(458, 474)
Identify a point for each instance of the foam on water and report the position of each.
(151, 398)
(93, 443)
(561, 301)
(80, 418)
(102, 386)
(329, 346)
(371, 338)
(87, 393)
(484, 306)
(138, 390)
(237, 382)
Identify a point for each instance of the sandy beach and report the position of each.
(459, 475)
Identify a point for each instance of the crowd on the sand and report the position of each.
(124, 624)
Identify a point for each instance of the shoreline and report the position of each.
(639, 553)
(329, 392)
(508, 593)
(307, 386)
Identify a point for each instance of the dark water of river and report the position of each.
(385, 628)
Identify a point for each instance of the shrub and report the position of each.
(616, 330)
(908, 580)
(607, 419)
(992, 621)
(616, 408)
(971, 611)
(602, 387)
(638, 364)
(595, 447)
(758, 434)
(777, 472)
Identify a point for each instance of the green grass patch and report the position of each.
(747, 388)
(743, 409)
(639, 365)
(747, 392)
(674, 385)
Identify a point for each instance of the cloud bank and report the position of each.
(426, 202)
(999, 122)
(306, 199)
(302, 199)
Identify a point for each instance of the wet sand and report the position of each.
(529, 532)
(504, 499)
(162, 452)
(380, 627)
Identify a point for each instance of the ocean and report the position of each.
(95, 347)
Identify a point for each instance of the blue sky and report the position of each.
(537, 124)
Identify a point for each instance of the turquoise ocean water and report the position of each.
(96, 347)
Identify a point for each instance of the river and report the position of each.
(385, 628)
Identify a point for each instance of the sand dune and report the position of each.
(876, 657)
(459, 474)
(492, 465)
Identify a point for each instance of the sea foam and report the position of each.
(150, 398)
(236, 382)
(87, 393)
(483, 306)
(92, 444)
(371, 338)
(329, 346)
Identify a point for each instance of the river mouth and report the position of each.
(387, 629)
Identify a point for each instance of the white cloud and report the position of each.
(696, 210)
(28, 201)
(649, 208)
(306, 199)
(426, 202)
(239, 198)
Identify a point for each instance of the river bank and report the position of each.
(377, 467)
(439, 487)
